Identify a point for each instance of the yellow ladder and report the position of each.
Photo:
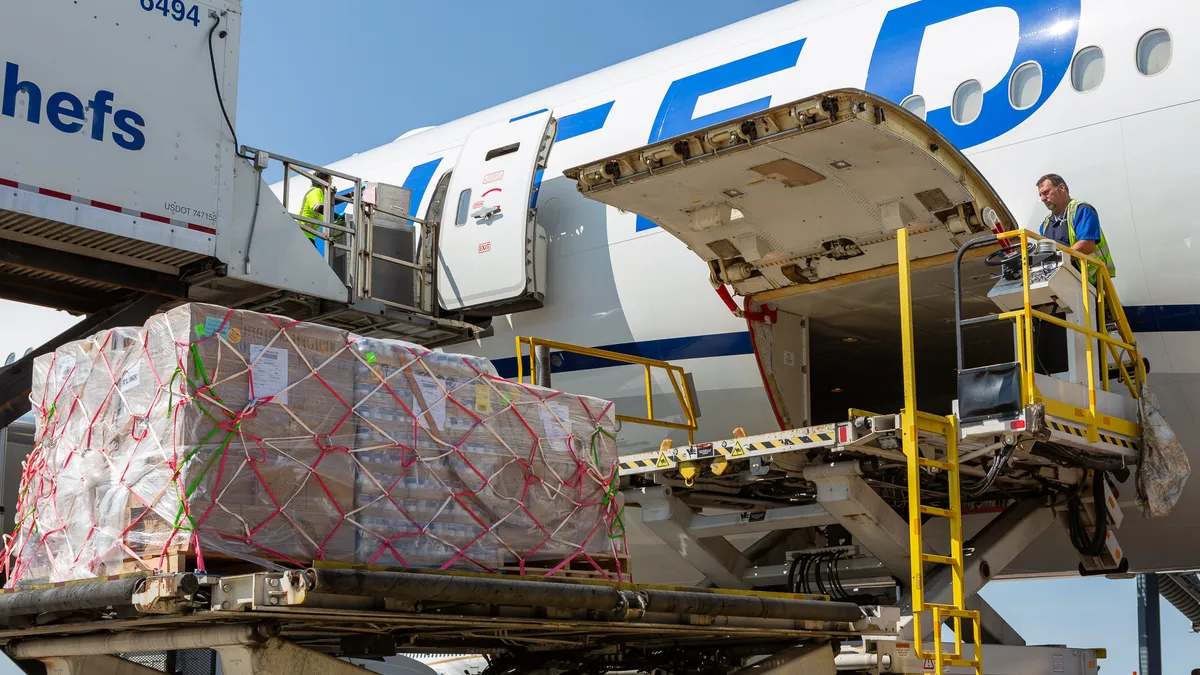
(913, 422)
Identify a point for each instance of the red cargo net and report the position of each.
(220, 433)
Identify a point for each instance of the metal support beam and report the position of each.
(148, 641)
(753, 522)
(1183, 591)
(810, 659)
(95, 665)
(16, 378)
(280, 657)
(64, 296)
(85, 268)
(1149, 631)
(714, 557)
(873, 524)
(992, 549)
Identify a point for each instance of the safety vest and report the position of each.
(312, 199)
(1101, 251)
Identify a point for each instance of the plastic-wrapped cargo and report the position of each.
(226, 433)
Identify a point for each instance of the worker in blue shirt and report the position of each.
(1073, 223)
(1076, 225)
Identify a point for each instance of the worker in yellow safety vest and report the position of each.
(314, 204)
(1073, 223)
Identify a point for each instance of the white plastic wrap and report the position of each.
(224, 433)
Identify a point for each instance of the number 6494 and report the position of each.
(176, 9)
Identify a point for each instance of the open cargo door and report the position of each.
(492, 257)
(803, 193)
(797, 207)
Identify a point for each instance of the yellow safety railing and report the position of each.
(912, 422)
(675, 375)
(1100, 345)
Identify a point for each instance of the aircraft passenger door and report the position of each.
(492, 251)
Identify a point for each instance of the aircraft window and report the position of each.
(915, 104)
(464, 203)
(1154, 52)
(500, 152)
(1087, 69)
(968, 102)
(1025, 88)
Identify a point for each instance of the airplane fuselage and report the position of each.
(1124, 141)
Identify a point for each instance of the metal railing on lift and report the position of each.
(675, 375)
(1107, 305)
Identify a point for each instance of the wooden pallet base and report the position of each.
(579, 568)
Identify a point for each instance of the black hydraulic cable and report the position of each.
(835, 588)
(791, 577)
(837, 578)
(1075, 513)
(212, 60)
(817, 573)
(1003, 455)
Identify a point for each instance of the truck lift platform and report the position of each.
(301, 620)
(310, 621)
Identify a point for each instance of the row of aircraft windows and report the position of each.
(1025, 85)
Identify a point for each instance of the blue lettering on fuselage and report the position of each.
(1048, 30)
(1047, 36)
(676, 113)
(65, 111)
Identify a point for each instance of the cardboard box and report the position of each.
(231, 433)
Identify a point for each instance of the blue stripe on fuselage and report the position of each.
(667, 349)
(528, 114)
(583, 122)
(418, 181)
(1143, 319)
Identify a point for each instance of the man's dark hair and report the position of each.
(1055, 180)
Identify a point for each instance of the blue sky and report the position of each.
(426, 63)
(431, 62)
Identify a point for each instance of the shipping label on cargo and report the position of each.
(433, 401)
(483, 399)
(63, 365)
(556, 419)
(130, 378)
(269, 373)
(214, 323)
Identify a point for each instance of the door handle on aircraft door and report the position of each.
(483, 214)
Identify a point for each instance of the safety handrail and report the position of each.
(325, 228)
(682, 393)
(1099, 343)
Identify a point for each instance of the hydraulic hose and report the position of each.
(1075, 518)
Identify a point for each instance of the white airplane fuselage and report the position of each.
(616, 281)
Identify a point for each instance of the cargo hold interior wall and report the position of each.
(854, 345)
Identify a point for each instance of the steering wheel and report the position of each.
(998, 258)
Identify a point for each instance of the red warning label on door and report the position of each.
(493, 177)
(485, 247)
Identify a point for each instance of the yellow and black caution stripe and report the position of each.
(730, 449)
(787, 443)
(1082, 433)
(662, 461)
